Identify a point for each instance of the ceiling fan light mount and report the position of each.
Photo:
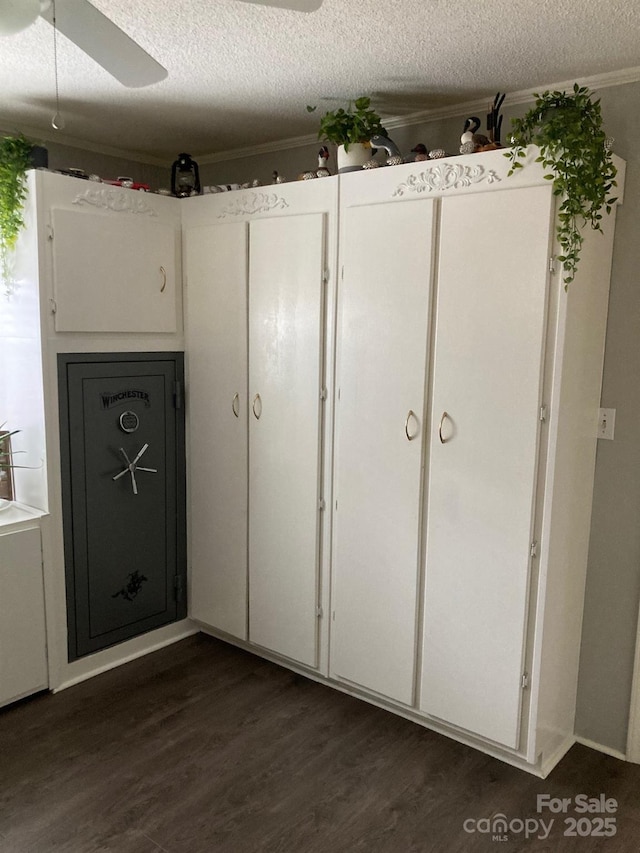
(17, 15)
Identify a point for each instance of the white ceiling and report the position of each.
(240, 75)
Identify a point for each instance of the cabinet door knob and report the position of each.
(164, 279)
(440, 425)
(235, 405)
(257, 406)
(411, 414)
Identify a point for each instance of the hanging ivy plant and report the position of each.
(15, 159)
(568, 130)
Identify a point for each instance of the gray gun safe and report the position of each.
(123, 491)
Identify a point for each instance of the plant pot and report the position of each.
(353, 159)
(39, 157)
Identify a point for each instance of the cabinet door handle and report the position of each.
(235, 404)
(164, 279)
(411, 414)
(440, 425)
(257, 412)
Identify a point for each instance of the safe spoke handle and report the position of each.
(132, 466)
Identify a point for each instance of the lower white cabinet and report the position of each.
(23, 648)
(257, 269)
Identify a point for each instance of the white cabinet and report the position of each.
(256, 321)
(112, 274)
(485, 425)
(286, 378)
(468, 384)
(23, 650)
(382, 347)
(87, 278)
(115, 257)
(216, 366)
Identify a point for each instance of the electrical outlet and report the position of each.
(606, 423)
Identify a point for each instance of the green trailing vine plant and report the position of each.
(358, 123)
(15, 159)
(567, 128)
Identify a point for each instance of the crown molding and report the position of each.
(595, 82)
(46, 135)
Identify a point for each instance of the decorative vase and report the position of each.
(353, 159)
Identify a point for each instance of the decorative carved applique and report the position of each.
(446, 176)
(256, 203)
(132, 587)
(115, 199)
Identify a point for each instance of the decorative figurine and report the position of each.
(323, 156)
(421, 152)
(471, 141)
(494, 122)
(394, 157)
(322, 171)
(276, 178)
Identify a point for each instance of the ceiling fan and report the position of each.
(100, 38)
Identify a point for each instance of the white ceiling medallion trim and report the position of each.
(120, 201)
(256, 203)
(449, 176)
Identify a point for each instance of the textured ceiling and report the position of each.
(240, 75)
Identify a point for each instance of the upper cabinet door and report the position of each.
(216, 329)
(489, 338)
(113, 273)
(384, 311)
(286, 341)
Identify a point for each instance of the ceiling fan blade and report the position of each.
(296, 5)
(106, 43)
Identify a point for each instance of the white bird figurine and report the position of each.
(471, 141)
(322, 170)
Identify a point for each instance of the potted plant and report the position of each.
(568, 130)
(15, 159)
(6, 466)
(351, 130)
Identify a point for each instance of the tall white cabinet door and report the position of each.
(285, 380)
(384, 322)
(492, 296)
(216, 318)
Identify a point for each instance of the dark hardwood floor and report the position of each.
(203, 748)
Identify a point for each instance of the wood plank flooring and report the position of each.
(203, 748)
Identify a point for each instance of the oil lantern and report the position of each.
(185, 177)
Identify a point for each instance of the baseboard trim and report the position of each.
(547, 764)
(186, 629)
(600, 747)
